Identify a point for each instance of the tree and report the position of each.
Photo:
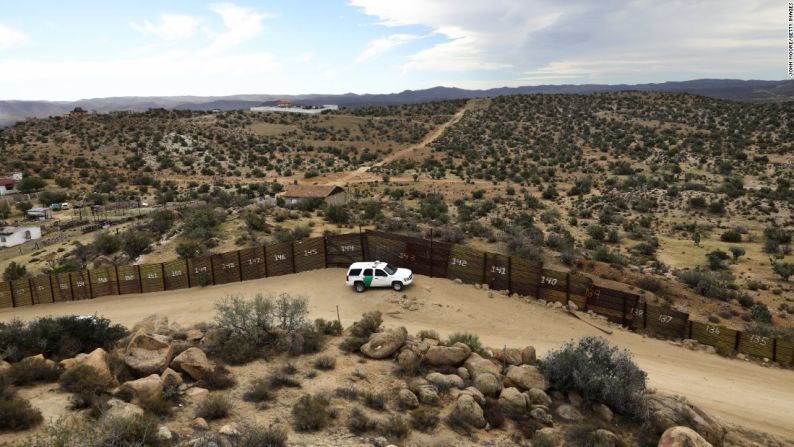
(696, 238)
(715, 259)
(30, 184)
(187, 250)
(107, 244)
(5, 211)
(135, 243)
(731, 236)
(23, 207)
(162, 221)
(782, 269)
(337, 214)
(761, 313)
(737, 252)
(15, 271)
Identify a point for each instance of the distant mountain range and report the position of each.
(733, 89)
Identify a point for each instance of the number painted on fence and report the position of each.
(129, 277)
(279, 257)
(714, 330)
(22, 290)
(64, 286)
(102, 280)
(311, 252)
(347, 248)
(499, 269)
(548, 280)
(176, 273)
(37, 288)
(254, 261)
(80, 284)
(198, 270)
(228, 266)
(460, 262)
(409, 256)
(665, 318)
(759, 340)
(639, 312)
(152, 275)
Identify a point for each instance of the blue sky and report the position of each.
(60, 50)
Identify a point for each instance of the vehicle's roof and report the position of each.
(366, 264)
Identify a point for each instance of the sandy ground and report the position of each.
(742, 393)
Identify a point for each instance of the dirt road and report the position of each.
(429, 138)
(742, 393)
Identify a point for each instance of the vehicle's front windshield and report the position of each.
(389, 269)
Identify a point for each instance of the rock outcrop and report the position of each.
(447, 355)
(682, 437)
(526, 377)
(383, 344)
(147, 354)
(192, 362)
(666, 412)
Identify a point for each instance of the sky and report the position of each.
(68, 50)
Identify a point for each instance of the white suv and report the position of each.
(362, 275)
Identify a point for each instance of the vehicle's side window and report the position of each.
(380, 273)
(355, 272)
(368, 272)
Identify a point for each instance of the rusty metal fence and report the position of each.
(424, 257)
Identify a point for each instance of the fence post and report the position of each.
(52, 289)
(484, 266)
(264, 258)
(644, 314)
(162, 274)
(689, 330)
(140, 278)
(239, 266)
(774, 349)
(325, 250)
(568, 293)
(431, 253)
(33, 296)
(11, 290)
(510, 275)
(118, 283)
(623, 322)
(91, 289)
(736, 343)
(212, 270)
(292, 255)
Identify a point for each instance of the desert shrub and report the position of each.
(603, 254)
(280, 380)
(599, 372)
(258, 391)
(214, 406)
(424, 419)
(394, 427)
(304, 341)
(333, 327)
(136, 431)
(457, 423)
(217, 378)
(349, 392)
(352, 344)
(32, 370)
(731, 236)
(58, 337)
(15, 412)
(376, 401)
(650, 284)
(746, 301)
(467, 338)
(289, 369)
(708, 284)
(257, 436)
(493, 413)
(761, 313)
(368, 324)
(130, 432)
(155, 404)
(325, 362)
(310, 412)
(768, 330)
(84, 379)
(358, 422)
(428, 333)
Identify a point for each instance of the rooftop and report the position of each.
(307, 191)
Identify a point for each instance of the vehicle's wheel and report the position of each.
(397, 285)
(360, 287)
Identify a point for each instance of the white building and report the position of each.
(11, 236)
(296, 109)
(7, 186)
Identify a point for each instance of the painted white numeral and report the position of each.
(151, 275)
(665, 318)
(101, 280)
(713, 330)
(460, 262)
(228, 266)
(311, 252)
(176, 273)
(80, 283)
(759, 340)
(198, 270)
(279, 257)
(408, 256)
(548, 280)
(347, 248)
(129, 277)
(499, 270)
(255, 261)
(64, 286)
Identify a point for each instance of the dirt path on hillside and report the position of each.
(742, 393)
(429, 138)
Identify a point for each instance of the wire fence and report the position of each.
(423, 256)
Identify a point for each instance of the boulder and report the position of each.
(538, 397)
(603, 412)
(192, 362)
(169, 377)
(548, 436)
(97, 359)
(526, 377)
(508, 356)
(194, 335)
(468, 410)
(541, 414)
(147, 354)
(153, 324)
(196, 392)
(408, 359)
(427, 343)
(118, 409)
(383, 344)
(4, 366)
(407, 399)
(475, 394)
(229, 430)
(569, 413)
(528, 356)
(603, 438)
(575, 399)
(164, 433)
(477, 365)
(512, 401)
(445, 381)
(147, 386)
(200, 424)
(447, 355)
(667, 411)
(488, 384)
(463, 373)
(682, 437)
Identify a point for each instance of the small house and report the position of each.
(11, 236)
(8, 186)
(39, 213)
(330, 194)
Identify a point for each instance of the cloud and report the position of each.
(607, 41)
(382, 45)
(241, 24)
(170, 27)
(10, 38)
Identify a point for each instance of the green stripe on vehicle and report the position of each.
(368, 281)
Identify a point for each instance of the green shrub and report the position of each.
(368, 324)
(761, 313)
(15, 412)
(257, 436)
(424, 419)
(214, 406)
(599, 372)
(467, 338)
(333, 327)
(155, 404)
(394, 427)
(58, 337)
(32, 370)
(493, 413)
(376, 401)
(259, 390)
(428, 333)
(325, 362)
(731, 236)
(352, 344)
(84, 379)
(310, 412)
(217, 378)
(359, 423)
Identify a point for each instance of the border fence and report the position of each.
(423, 256)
